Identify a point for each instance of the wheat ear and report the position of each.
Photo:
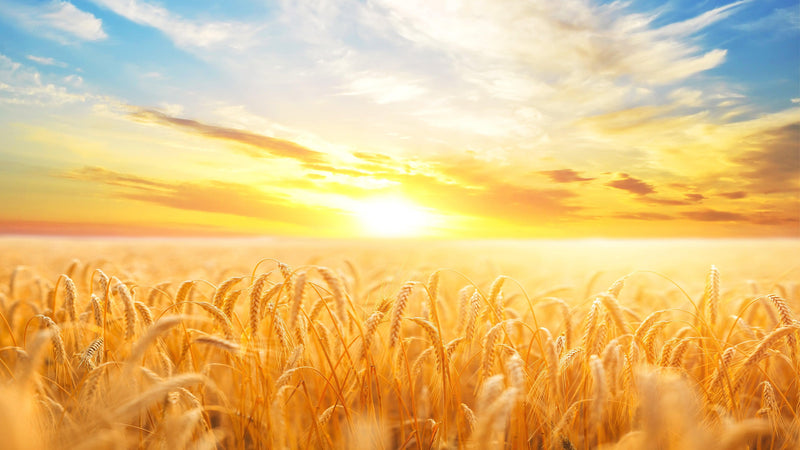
(130, 312)
(397, 314)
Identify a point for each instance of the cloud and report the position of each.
(664, 201)
(564, 175)
(471, 187)
(95, 229)
(776, 218)
(21, 85)
(374, 157)
(647, 216)
(628, 183)
(515, 204)
(208, 196)
(757, 217)
(46, 61)
(711, 215)
(383, 88)
(688, 199)
(265, 145)
(459, 185)
(781, 20)
(558, 38)
(183, 32)
(771, 162)
(733, 195)
(698, 23)
(328, 168)
(694, 197)
(57, 20)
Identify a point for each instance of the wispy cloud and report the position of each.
(258, 144)
(645, 216)
(183, 32)
(711, 215)
(383, 88)
(559, 38)
(46, 61)
(781, 20)
(698, 23)
(58, 20)
(207, 196)
(511, 203)
(109, 228)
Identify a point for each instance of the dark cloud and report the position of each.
(564, 175)
(735, 195)
(262, 145)
(710, 215)
(631, 184)
(773, 162)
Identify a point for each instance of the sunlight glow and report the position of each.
(392, 217)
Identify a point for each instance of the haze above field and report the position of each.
(344, 118)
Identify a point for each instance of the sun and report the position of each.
(392, 217)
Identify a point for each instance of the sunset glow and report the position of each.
(511, 119)
(392, 217)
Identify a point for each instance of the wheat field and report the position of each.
(306, 344)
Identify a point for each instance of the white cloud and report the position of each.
(552, 39)
(781, 20)
(20, 85)
(696, 24)
(57, 20)
(183, 32)
(66, 17)
(384, 88)
(46, 61)
(74, 80)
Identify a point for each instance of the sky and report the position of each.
(383, 118)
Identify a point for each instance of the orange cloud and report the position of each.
(773, 162)
(711, 215)
(564, 175)
(647, 216)
(631, 184)
(517, 204)
(695, 197)
(165, 229)
(210, 196)
(734, 195)
(264, 145)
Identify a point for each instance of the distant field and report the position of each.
(268, 343)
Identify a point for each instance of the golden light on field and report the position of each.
(393, 217)
(330, 344)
